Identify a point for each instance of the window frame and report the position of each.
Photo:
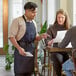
(5, 25)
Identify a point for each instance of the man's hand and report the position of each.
(45, 35)
(22, 51)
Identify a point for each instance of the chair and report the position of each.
(74, 60)
(36, 69)
(44, 66)
(49, 64)
(38, 46)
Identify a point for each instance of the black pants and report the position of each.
(58, 64)
(23, 74)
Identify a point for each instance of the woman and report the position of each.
(61, 23)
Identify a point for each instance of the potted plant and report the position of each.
(9, 58)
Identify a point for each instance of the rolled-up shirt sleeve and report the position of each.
(13, 29)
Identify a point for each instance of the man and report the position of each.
(22, 35)
(69, 37)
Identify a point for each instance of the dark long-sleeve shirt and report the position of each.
(52, 31)
(69, 37)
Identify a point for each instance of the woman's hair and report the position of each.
(67, 21)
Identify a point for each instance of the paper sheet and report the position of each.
(29, 54)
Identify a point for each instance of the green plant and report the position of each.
(9, 59)
(44, 28)
(40, 55)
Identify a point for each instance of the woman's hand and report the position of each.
(50, 42)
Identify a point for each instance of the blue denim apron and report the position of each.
(25, 64)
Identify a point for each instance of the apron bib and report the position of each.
(25, 64)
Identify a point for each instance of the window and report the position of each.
(17, 8)
(1, 23)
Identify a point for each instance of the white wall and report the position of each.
(63, 4)
(68, 6)
(50, 11)
(74, 12)
(70, 10)
(44, 11)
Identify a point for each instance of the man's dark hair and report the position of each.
(30, 5)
